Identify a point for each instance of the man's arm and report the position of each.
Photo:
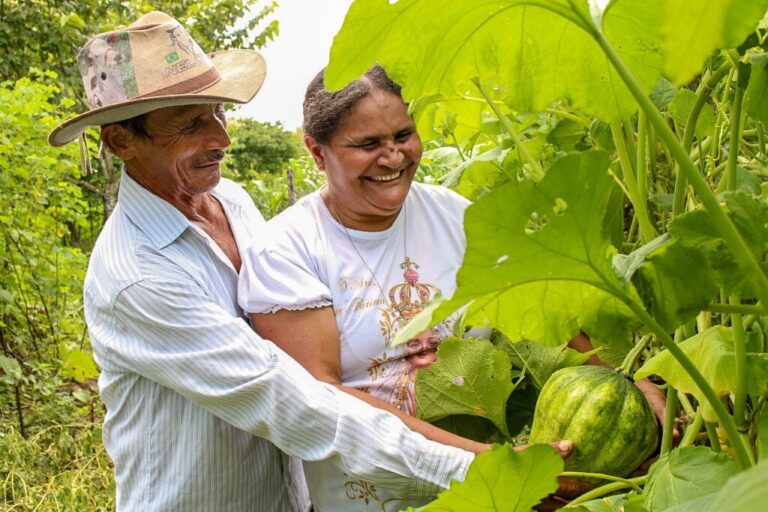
(173, 334)
(311, 337)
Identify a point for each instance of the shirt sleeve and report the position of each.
(277, 277)
(172, 333)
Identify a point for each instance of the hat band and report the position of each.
(191, 85)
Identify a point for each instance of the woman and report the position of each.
(350, 264)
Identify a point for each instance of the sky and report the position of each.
(307, 28)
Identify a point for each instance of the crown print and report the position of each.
(410, 297)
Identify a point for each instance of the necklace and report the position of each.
(364, 261)
(400, 300)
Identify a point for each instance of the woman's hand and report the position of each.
(658, 403)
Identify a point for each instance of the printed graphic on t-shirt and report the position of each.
(393, 375)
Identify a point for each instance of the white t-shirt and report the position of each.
(312, 261)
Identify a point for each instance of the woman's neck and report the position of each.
(352, 220)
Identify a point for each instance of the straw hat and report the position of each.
(151, 64)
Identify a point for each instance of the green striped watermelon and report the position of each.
(603, 413)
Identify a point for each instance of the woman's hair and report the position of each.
(324, 111)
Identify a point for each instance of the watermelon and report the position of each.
(603, 413)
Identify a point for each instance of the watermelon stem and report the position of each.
(607, 489)
(602, 476)
(633, 355)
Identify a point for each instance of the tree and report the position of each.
(260, 147)
(48, 35)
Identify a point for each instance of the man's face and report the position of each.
(182, 155)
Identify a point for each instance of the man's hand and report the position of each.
(563, 448)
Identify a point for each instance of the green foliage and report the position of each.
(470, 376)
(650, 244)
(259, 148)
(41, 322)
(61, 467)
(271, 192)
(503, 479)
(687, 479)
(712, 351)
(49, 34)
(743, 491)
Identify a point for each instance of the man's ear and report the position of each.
(119, 140)
(316, 150)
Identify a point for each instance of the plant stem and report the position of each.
(720, 220)
(702, 95)
(714, 441)
(742, 309)
(642, 160)
(604, 490)
(537, 173)
(740, 355)
(602, 476)
(647, 230)
(667, 432)
(693, 430)
(733, 145)
(709, 394)
(629, 361)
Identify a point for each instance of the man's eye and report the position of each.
(189, 126)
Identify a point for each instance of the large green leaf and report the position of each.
(538, 261)
(541, 362)
(756, 95)
(750, 215)
(693, 30)
(470, 377)
(681, 106)
(746, 491)
(762, 433)
(553, 312)
(686, 479)
(503, 479)
(675, 283)
(712, 353)
(533, 51)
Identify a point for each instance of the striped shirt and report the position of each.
(199, 407)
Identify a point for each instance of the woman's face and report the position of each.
(370, 161)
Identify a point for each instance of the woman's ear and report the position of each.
(316, 150)
(119, 140)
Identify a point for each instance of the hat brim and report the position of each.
(242, 74)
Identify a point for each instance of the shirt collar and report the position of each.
(158, 219)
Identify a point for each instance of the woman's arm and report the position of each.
(311, 337)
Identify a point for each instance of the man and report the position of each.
(198, 406)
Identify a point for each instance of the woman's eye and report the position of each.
(403, 136)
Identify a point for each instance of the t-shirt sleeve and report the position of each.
(280, 275)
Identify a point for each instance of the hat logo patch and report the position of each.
(186, 45)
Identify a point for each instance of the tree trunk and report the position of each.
(290, 177)
(111, 182)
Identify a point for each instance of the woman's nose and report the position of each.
(391, 156)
